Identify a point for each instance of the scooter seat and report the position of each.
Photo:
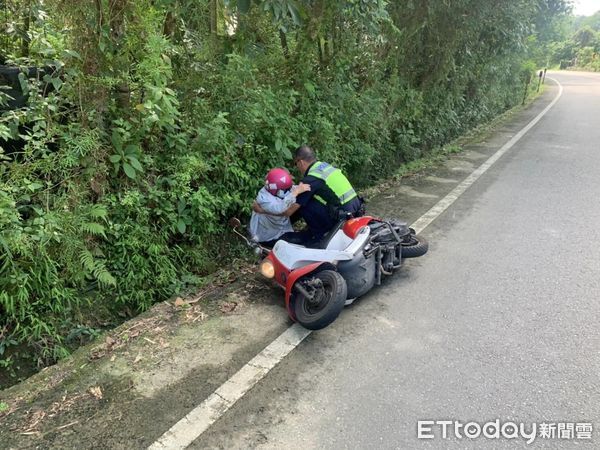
(293, 256)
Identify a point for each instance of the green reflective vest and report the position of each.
(335, 179)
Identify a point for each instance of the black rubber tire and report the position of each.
(417, 246)
(336, 292)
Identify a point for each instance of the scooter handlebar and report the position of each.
(258, 249)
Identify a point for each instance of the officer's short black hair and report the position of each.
(305, 153)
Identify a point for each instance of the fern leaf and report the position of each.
(103, 276)
(98, 212)
(93, 228)
(87, 260)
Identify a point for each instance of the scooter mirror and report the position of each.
(234, 222)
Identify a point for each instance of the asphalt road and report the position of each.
(501, 320)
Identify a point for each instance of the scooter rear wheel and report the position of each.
(329, 295)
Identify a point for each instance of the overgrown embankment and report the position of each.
(147, 124)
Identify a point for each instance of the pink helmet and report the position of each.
(278, 181)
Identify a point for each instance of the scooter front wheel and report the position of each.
(327, 292)
(415, 246)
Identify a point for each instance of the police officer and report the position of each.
(330, 193)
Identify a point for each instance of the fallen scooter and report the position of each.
(350, 260)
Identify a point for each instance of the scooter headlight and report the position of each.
(267, 269)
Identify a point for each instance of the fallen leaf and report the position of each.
(134, 334)
(179, 301)
(62, 427)
(96, 392)
(33, 421)
(228, 307)
(97, 354)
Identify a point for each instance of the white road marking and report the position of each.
(441, 206)
(188, 429)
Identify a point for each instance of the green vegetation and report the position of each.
(575, 43)
(149, 123)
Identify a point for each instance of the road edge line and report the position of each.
(436, 210)
(188, 429)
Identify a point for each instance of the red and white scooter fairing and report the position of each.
(351, 259)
